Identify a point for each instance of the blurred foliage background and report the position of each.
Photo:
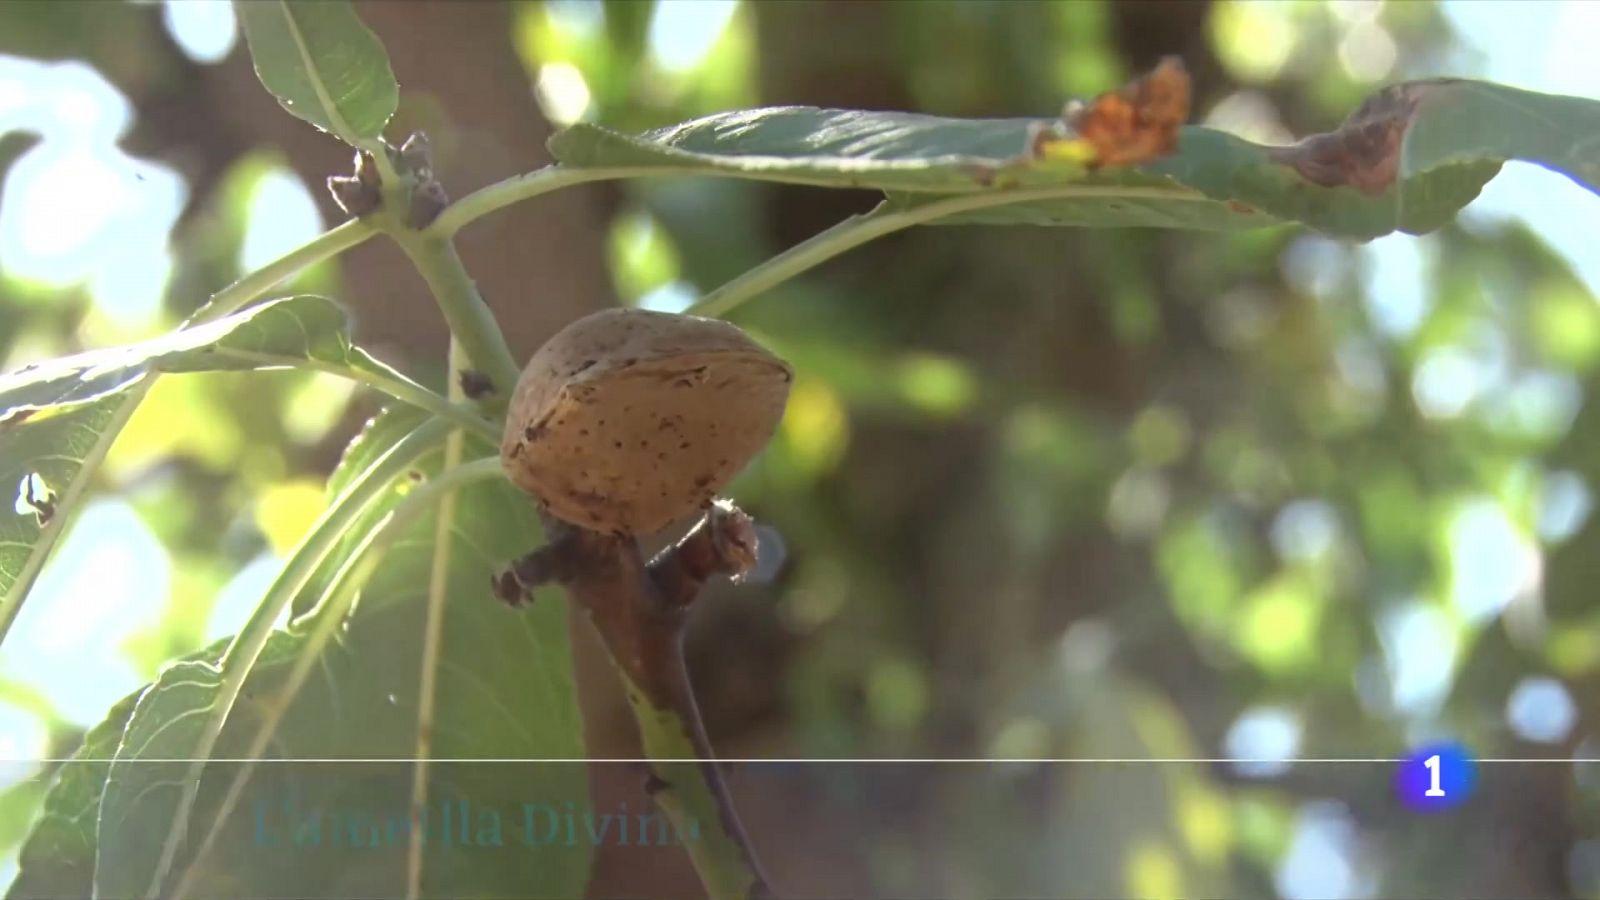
(1041, 493)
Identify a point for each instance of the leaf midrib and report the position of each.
(314, 77)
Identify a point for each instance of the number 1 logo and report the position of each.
(1433, 781)
(1436, 777)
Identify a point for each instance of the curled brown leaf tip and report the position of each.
(1364, 151)
(1136, 123)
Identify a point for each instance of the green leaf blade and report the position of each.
(323, 64)
(58, 419)
(1473, 120)
(504, 690)
(144, 781)
(376, 436)
(57, 859)
(1454, 141)
(281, 331)
(56, 450)
(807, 145)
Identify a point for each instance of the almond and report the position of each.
(627, 420)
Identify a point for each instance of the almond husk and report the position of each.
(627, 419)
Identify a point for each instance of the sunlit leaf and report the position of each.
(380, 432)
(58, 418)
(164, 724)
(504, 690)
(271, 335)
(322, 64)
(1408, 160)
(57, 860)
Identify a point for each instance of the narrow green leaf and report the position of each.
(46, 457)
(1449, 138)
(504, 686)
(139, 873)
(272, 335)
(58, 419)
(322, 64)
(805, 145)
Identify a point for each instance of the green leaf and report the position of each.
(57, 859)
(226, 693)
(1464, 121)
(57, 419)
(504, 690)
(277, 334)
(322, 64)
(377, 436)
(165, 724)
(1449, 139)
(49, 457)
(805, 145)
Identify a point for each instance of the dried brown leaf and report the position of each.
(1136, 123)
(1364, 151)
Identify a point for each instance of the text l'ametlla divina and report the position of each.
(458, 822)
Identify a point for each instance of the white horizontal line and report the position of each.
(876, 761)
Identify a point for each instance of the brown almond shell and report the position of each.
(627, 420)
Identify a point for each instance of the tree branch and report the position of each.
(640, 611)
